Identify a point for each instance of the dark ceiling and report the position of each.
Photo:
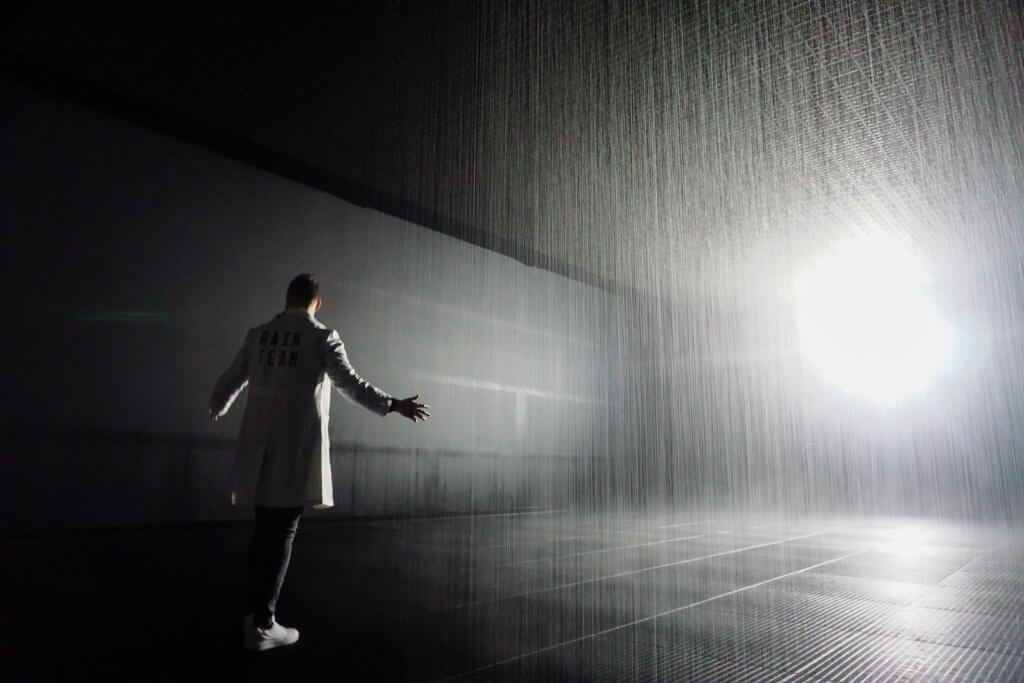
(632, 144)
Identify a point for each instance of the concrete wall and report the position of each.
(135, 265)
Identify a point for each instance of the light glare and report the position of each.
(867, 323)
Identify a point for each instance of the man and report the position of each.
(283, 459)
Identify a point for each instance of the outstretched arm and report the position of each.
(231, 383)
(347, 381)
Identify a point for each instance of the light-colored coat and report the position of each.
(289, 364)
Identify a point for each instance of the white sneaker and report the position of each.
(260, 639)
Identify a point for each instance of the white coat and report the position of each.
(283, 455)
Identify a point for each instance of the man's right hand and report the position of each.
(410, 408)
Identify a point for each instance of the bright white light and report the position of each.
(866, 321)
(906, 541)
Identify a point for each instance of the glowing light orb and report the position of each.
(867, 323)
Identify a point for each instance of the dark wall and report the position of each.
(134, 266)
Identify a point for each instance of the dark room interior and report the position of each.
(718, 308)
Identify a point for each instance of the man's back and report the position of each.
(289, 364)
(284, 354)
(283, 441)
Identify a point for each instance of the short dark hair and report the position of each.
(302, 290)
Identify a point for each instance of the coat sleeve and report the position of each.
(231, 383)
(347, 381)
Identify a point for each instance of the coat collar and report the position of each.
(296, 311)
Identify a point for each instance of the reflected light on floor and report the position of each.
(906, 541)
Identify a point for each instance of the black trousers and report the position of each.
(269, 552)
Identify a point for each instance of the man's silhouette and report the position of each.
(283, 463)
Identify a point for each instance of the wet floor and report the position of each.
(541, 596)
